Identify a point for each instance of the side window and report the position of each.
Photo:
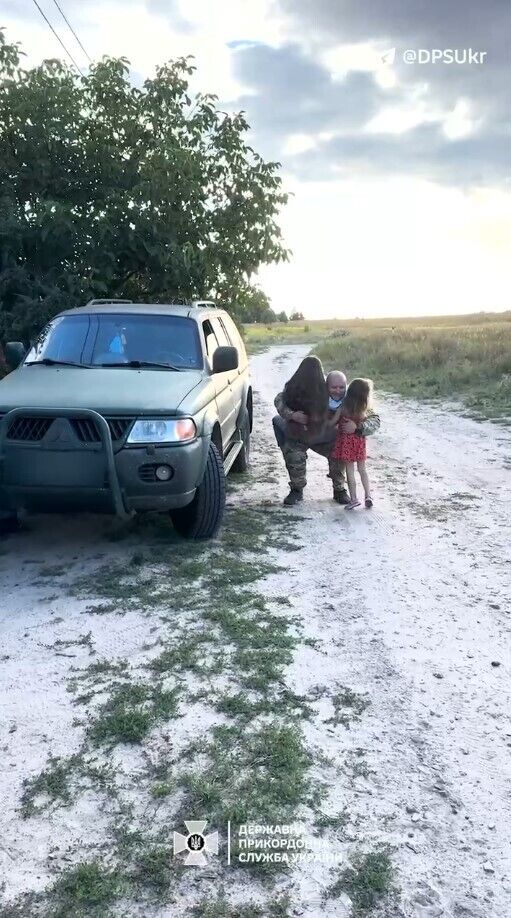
(236, 338)
(210, 338)
(220, 332)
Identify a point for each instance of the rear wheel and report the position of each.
(242, 461)
(201, 519)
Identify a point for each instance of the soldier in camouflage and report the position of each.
(294, 446)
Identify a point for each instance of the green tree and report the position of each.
(254, 306)
(107, 189)
(296, 316)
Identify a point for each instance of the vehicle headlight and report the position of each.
(162, 430)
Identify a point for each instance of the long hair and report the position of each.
(306, 391)
(357, 398)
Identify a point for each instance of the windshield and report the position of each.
(117, 339)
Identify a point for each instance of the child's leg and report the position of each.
(364, 478)
(350, 475)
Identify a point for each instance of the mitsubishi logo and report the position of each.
(60, 431)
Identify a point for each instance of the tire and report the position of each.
(9, 522)
(201, 519)
(242, 461)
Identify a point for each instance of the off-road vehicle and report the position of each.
(121, 407)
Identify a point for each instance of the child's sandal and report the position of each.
(368, 503)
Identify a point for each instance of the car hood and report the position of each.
(125, 391)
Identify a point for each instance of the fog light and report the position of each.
(163, 472)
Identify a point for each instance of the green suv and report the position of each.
(122, 408)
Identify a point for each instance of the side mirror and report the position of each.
(15, 352)
(224, 359)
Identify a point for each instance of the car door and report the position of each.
(223, 391)
(238, 377)
(232, 375)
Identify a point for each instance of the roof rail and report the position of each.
(107, 301)
(205, 304)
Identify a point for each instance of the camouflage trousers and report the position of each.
(295, 457)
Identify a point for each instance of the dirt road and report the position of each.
(407, 607)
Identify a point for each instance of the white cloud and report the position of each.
(395, 120)
(459, 122)
(299, 143)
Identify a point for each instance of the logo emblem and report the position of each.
(60, 431)
(389, 56)
(196, 843)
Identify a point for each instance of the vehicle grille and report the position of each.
(34, 429)
(87, 432)
(119, 427)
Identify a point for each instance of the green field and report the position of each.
(466, 358)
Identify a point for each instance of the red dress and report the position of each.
(349, 447)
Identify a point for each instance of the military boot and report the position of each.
(342, 496)
(295, 495)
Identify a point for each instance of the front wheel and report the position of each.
(201, 519)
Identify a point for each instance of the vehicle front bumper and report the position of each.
(70, 476)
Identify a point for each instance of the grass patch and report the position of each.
(348, 706)
(253, 775)
(336, 822)
(220, 908)
(355, 760)
(235, 561)
(189, 652)
(442, 509)
(463, 357)
(95, 678)
(52, 785)
(284, 702)
(162, 789)
(85, 640)
(130, 712)
(53, 570)
(85, 890)
(153, 867)
(367, 882)
(102, 608)
(470, 362)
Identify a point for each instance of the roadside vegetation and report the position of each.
(202, 203)
(463, 358)
(368, 881)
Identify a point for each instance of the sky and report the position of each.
(397, 165)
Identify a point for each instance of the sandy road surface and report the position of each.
(408, 604)
(412, 602)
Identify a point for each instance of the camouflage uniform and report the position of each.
(295, 451)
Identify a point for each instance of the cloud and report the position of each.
(291, 94)
(306, 76)
(435, 24)
(171, 11)
(424, 152)
(305, 100)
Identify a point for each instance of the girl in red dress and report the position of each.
(351, 447)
